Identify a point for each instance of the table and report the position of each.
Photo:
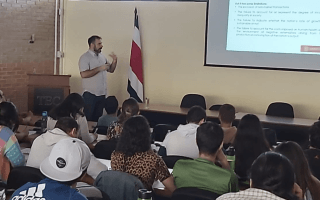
(265, 119)
(295, 129)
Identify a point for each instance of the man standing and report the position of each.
(93, 70)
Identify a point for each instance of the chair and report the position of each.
(215, 107)
(21, 175)
(271, 136)
(190, 100)
(280, 109)
(100, 130)
(190, 193)
(160, 131)
(104, 149)
(171, 160)
(119, 185)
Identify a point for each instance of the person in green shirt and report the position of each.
(203, 173)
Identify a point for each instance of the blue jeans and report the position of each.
(93, 107)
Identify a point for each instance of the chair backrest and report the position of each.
(160, 131)
(215, 107)
(189, 193)
(190, 100)
(21, 175)
(271, 136)
(118, 185)
(171, 160)
(280, 109)
(104, 149)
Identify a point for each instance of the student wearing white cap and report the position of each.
(66, 165)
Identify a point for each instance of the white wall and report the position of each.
(173, 39)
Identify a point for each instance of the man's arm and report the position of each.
(113, 64)
(90, 73)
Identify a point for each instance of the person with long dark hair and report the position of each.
(130, 107)
(10, 155)
(73, 107)
(272, 177)
(134, 155)
(249, 143)
(309, 184)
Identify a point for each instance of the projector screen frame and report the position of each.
(241, 66)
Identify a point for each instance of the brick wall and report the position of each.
(19, 19)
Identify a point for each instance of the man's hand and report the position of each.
(114, 63)
(222, 159)
(113, 56)
(105, 67)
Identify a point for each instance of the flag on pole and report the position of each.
(135, 80)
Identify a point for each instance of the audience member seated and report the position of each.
(65, 127)
(130, 107)
(10, 155)
(2, 97)
(313, 153)
(249, 143)
(272, 177)
(309, 184)
(135, 156)
(66, 165)
(72, 106)
(182, 142)
(111, 107)
(227, 114)
(202, 172)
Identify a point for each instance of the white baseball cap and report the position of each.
(67, 160)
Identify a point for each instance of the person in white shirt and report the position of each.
(182, 142)
(93, 67)
(65, 127)
(272, 178)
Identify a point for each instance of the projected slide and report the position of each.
(285, 26)
(267, 34)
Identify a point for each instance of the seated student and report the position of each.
(130, 107)
(111, 107)
(2, 97)
(182, 142)
(66, 165)
(10, 154)
(313, 153)
(135, 156)
(65, 127)
(249, 143)
(73, 107)
(226, 116)
(202, 172)
(272, 177)
(309, 184)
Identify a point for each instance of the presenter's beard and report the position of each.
(97, 50)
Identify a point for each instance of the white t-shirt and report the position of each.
(182, 142)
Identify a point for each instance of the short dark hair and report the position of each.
(196, 114)
(227, 113)
(273, 172)
(111, 104)
(135, 136)
(93, 38)
(9, 115)
(67, 124)
(314, 134)
(209, 137)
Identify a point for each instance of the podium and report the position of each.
(46, 91)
